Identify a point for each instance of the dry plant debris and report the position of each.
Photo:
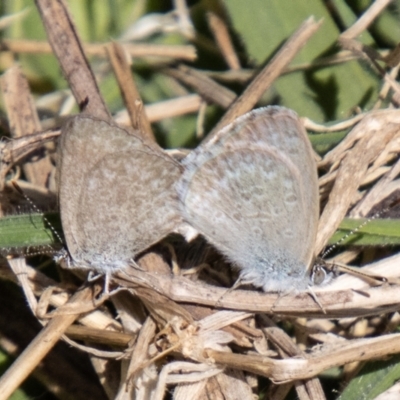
(169, 328)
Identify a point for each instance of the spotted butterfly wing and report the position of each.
(116, 193)
(252, 191)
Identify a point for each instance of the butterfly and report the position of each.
(116, 193)
(252, 191)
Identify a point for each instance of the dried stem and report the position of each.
(269, 74)
(68, 49)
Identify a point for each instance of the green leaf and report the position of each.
(27, 231)
(374, 379)
(323, 142)
(377, 232)
(321, 94)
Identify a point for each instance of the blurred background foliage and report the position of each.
(258, 29)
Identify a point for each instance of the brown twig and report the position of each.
(337, 303)
(39, 347)
(210, 90)
(24, 120)
(136, 50)
(129, 92)
(281, 371)
(68, 49)
(221, 36)
(283, 342)
(367, 18)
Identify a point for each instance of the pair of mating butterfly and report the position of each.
(251, 191)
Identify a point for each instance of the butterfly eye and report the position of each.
(318, 275)
(321, 274)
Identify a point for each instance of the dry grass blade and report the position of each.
(137, 375)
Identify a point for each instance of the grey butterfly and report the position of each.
(252, 192)
(116, 193)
